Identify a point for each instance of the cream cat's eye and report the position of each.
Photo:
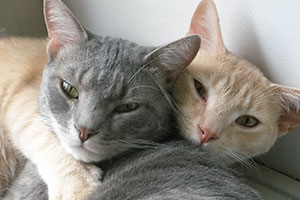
(125, 108)
(247, 121)
(200, 89)
(70, 90)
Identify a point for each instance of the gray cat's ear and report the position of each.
(63, 28)
(290, 102)
(205, 22)
(170, 60)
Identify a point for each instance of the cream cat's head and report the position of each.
(226, 103)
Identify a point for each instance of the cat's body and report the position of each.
(21, 63)
(226, 103)
(175, 170)
(99, 97)
(172, 170)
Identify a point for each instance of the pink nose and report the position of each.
(84, 133)
(207, 135)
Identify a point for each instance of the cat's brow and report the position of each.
(84, 76)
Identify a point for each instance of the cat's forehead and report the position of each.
(232, 80)
(227, 68)
(103, 63)
(112, 53)
(99, 54)
(102, 53)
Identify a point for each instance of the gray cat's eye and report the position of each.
(70, 90)
(247, 121)
(200, 89)
(125, 108)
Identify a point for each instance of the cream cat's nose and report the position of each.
(84, 133)
(207, 135)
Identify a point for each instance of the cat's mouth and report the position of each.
(210, 140)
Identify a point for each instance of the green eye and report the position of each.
(125, 108)
(247, 121)
(70, 90)
(200, 89)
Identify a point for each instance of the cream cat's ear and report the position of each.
(205, 22)
(63, 28)
(290, 102)
(171, 59)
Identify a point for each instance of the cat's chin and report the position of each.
(82, 154)
(210, 147)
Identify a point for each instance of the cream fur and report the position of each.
(234, 88)
(21, 64)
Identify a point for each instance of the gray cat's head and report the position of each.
(102, 96)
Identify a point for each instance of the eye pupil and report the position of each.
(200, 89)
(126, 108)
(70, 90)
(247, 121)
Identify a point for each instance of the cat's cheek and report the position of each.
(191, 112)
(193, 136)
(258, 142)
(138, 123)
(188, 128)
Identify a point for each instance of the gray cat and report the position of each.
(102, 96)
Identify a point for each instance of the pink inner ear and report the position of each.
(290, 117)
(205, 22)
(63, 27)
(287, 123)
(290, 99)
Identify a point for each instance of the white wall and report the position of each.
(265, 32)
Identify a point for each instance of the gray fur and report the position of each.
(28, 185)
(107, 73)
(175, 170)
(172, 170)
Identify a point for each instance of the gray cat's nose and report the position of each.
(84, 133)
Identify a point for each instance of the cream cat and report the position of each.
(226, 104)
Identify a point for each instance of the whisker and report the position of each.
(243, 159)
(135, 73)
(134, 143)
(143, 87)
